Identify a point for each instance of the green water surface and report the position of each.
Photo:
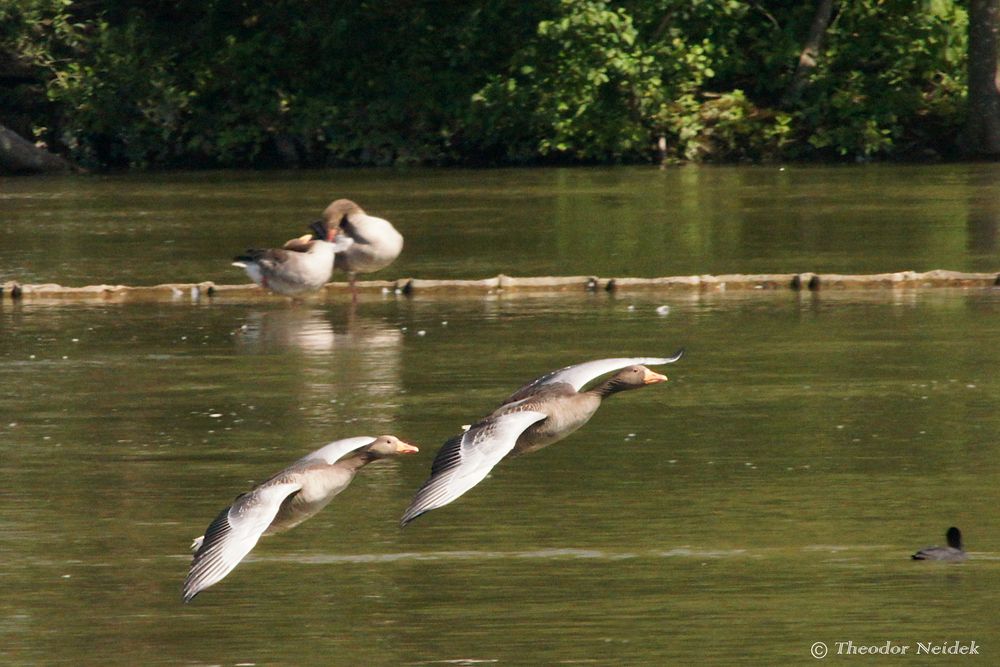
(766, 498)
(149, 229)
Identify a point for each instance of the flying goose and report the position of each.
(282, 502)
(542, 412)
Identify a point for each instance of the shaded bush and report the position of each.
(126, 83)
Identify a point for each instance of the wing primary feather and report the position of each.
(205, 559)
(448, 456)
(465, 460)
(233, 534)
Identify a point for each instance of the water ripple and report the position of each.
(543, 554)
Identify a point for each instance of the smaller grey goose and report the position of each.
(282, 502)
(303, 265)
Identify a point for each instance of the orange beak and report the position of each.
(652, 378)
(406, 448)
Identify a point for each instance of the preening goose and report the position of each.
(542, 412)
(282, 502)
(364, 243)
(302, 265)
(953, 552)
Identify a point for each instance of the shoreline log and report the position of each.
(502, 284)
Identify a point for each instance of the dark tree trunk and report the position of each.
(982, 128)
(810, 51)
(18, 156)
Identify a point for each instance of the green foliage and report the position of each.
(221, 83)
(122, 104)
(601, 83)
(128, 83)
(890, 92)
(727, 127)
(39, 33)
(598, 83)
(36, 38)
(585, 83)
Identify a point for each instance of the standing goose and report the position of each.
(280, 503)
(365, 243)
(953, 552)
(540, 413)
(302, 265)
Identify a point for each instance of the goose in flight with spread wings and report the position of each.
(542, 412)
(280, 503)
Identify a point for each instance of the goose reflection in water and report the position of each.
(311, 331)
(322, 360)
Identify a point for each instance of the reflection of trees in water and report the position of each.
(983, 219)
(734, 220)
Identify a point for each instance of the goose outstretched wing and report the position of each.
(580, 374)
(465, 460)
(234, 533)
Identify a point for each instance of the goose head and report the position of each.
(630, 377)
(334, 217)
(389, 445)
